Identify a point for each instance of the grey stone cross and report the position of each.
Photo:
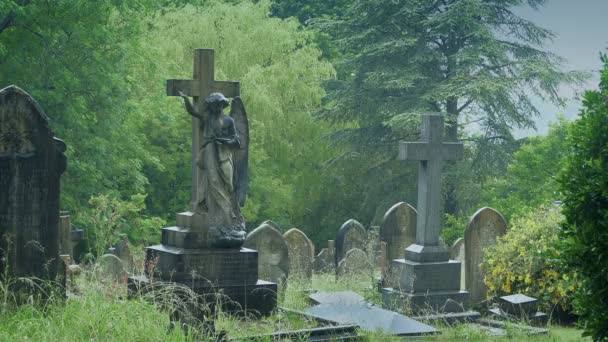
(202, 84)
(431, 151)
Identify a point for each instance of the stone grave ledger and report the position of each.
(31, 163)
(425, 279)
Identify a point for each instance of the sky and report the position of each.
(581, 29)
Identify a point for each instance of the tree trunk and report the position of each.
(451, 134)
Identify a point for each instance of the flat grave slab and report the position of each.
(343, 297)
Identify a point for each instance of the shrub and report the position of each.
(524, 260)
(584, 183)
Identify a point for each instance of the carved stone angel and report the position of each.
(222, 160)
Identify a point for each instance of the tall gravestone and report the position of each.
(203, 251)
(351, 235)
(426, 279)
(457, 253)
(301, 253)
(273, 253)
(485, 226)
(398, 229)
(31, 163)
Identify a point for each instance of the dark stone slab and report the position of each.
(518, 304)
(371, 318)
(217, 266)
(423, 302)
(31, 163)
(259, 298)
(410, 276)
(351, 235)
(534, 318)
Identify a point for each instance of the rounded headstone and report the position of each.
(273, 253)
(351, 235)
(301, 253)
(355, 262)
(485, 226)
(398, 229)
(111, 267)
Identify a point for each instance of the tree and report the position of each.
(476, 61)
(584, 184)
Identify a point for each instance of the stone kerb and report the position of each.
(351, 235)
(273, 253)
(485, 226)
(301, 253)
(398, 229)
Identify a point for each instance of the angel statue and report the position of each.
(222, 160)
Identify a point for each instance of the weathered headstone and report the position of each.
(31, 163)
(356, 262)
(398, 229)
(301, 253)
(273, 253)
(457, 253)
(351, 235)
(426, 279)
(485, 226)
(272, 224)
(111, 267)
(123, 252)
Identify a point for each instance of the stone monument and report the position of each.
(273, 253)
(301, 253)
(204, 250)
(31, 163)
(398, 229)
(426, 278)
(351, 235)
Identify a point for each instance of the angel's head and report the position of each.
(216, 102)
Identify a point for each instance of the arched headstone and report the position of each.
(355, 262)
(398, 229)
(351, 235)
(457, 253)
(273, 253)
(485, 226)
(301, 253)
(31, 163)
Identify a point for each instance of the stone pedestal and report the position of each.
(226, 276)
(428, 284)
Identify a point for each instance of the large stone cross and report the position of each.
(202, 84)
(431, 151)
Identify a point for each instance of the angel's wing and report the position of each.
(240, 157)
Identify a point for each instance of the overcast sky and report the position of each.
(581, 29)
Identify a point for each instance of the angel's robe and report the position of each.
(216, 188)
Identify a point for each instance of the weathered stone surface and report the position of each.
(398, 229)
(301, 253)
(351, 235)
(355, 262)
(518, 304)
(123, 252)
(273, 253)
(457, 253)
(485, 226)
(111, 267)
(272, 224)
(31, 163)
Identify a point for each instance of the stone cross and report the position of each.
(202, 84)
(431, 151)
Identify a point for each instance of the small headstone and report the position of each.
(123, 251)
(111, 267)
(351, 235)
(31, 163)
(355, 262)
(457, 253)
(301, 253)
(273, 253)
(519, 307)
(398, 229)
(485, 226)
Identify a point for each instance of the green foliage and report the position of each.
(530, 179)
(584, 184)
(525, 260)
(305, 10)
(453, 227)
(110, 218)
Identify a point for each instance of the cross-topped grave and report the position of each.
(202, 84)
(426, 278)
(431, 151)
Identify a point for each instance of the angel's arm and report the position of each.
(189, 107)
(232, 140)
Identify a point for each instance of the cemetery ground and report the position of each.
(97, 309)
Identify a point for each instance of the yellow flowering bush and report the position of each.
(525, 260)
